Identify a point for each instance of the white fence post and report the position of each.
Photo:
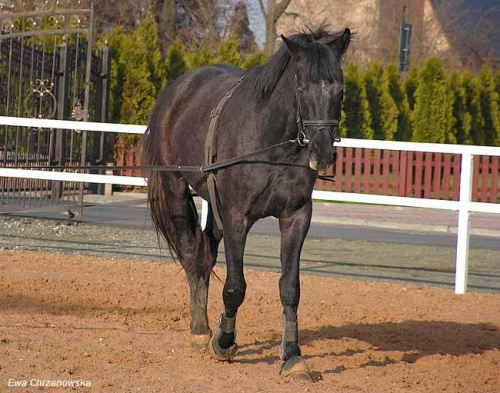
(462, 257)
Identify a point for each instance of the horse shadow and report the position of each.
(412, 339)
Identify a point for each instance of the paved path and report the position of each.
(334, 257)
(330, 220)
(345, 240)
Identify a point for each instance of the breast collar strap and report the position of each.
(303, 124)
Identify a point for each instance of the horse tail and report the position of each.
(158, 201)
(161, 190)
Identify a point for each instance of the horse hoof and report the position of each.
(199, 342)
(221, 354)
(296, 368)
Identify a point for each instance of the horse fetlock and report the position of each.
(227, 327)
(198, 307)
(290, 340)
(200, 342)
(199, 322)
(289, 350)
(227, 324)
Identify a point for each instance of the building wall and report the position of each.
(376, 24)
(360, 16)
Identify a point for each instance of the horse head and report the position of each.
(319, 89)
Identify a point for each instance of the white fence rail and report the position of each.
(464, 205)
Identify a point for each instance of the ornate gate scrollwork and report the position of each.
(48, 70)
(41, 103)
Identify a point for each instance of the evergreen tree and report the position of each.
(473, 107)
(432, 115)
(451, 135)
(254, 59)
(132, 93)
(174, 61)
(116, 43)
(357, 118)
(382, 106)
(229, 53)
(200, 58)
(410, 86)
(398, 93)
(497, 82)
(461, 127)
(148, 35)
(489, 106)
(138, 90)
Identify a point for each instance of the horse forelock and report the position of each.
(262, 80)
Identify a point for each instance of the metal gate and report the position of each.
(48, 70)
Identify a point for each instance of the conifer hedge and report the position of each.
(424, 105)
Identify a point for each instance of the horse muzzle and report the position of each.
(321, 151)
(319, 165)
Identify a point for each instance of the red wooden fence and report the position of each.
(411, 174)
(389, 172)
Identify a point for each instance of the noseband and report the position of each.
(302, 125)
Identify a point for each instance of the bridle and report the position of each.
(302, 124)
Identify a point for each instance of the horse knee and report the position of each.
(234, 294)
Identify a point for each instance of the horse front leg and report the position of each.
(222, 345)
(293, 226)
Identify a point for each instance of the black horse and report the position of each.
(295, 97)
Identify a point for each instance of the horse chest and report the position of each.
(291, 191)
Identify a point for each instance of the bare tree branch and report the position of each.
(281, 7)
(262, 8)
(274, 11)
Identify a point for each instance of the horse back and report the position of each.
(182, 113)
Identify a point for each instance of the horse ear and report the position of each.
(295, 49)
(338, 43)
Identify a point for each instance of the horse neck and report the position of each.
(279, 113)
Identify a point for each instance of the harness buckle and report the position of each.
(214, 112)
(302, 139)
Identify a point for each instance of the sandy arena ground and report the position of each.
(124, 326)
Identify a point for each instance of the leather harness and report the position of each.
(211, 144)
(211, 150)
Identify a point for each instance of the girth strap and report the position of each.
(212, 192)
(211, 150)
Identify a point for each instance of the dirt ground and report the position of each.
(124, 326)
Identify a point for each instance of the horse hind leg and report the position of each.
(175, 217)
(205, 257)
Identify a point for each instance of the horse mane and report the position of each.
(262, 80)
